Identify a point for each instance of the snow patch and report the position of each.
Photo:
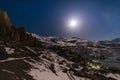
(115, 76)
(8, 71)
(9, 50)
(37, 75)
(31, 50)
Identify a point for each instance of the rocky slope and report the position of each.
(27, 56)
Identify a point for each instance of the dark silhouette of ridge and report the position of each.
(9, 32)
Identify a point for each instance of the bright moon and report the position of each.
(73, 24)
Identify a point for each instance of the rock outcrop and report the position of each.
(5, 23)
(9, 32)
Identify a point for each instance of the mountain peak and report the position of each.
(4, 19)
(116, 40)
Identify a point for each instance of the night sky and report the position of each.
(100, 19)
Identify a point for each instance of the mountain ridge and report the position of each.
(10, 32)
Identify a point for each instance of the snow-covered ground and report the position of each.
(115, 76)
(41, 72)
(9, 50)
(48, 64)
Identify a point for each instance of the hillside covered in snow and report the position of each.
(27, 56)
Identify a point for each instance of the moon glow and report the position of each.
(73, 24)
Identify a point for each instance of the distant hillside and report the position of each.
(116, 40)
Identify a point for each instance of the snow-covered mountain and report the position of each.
(20, 62)
(61, 41)
(27, 56)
